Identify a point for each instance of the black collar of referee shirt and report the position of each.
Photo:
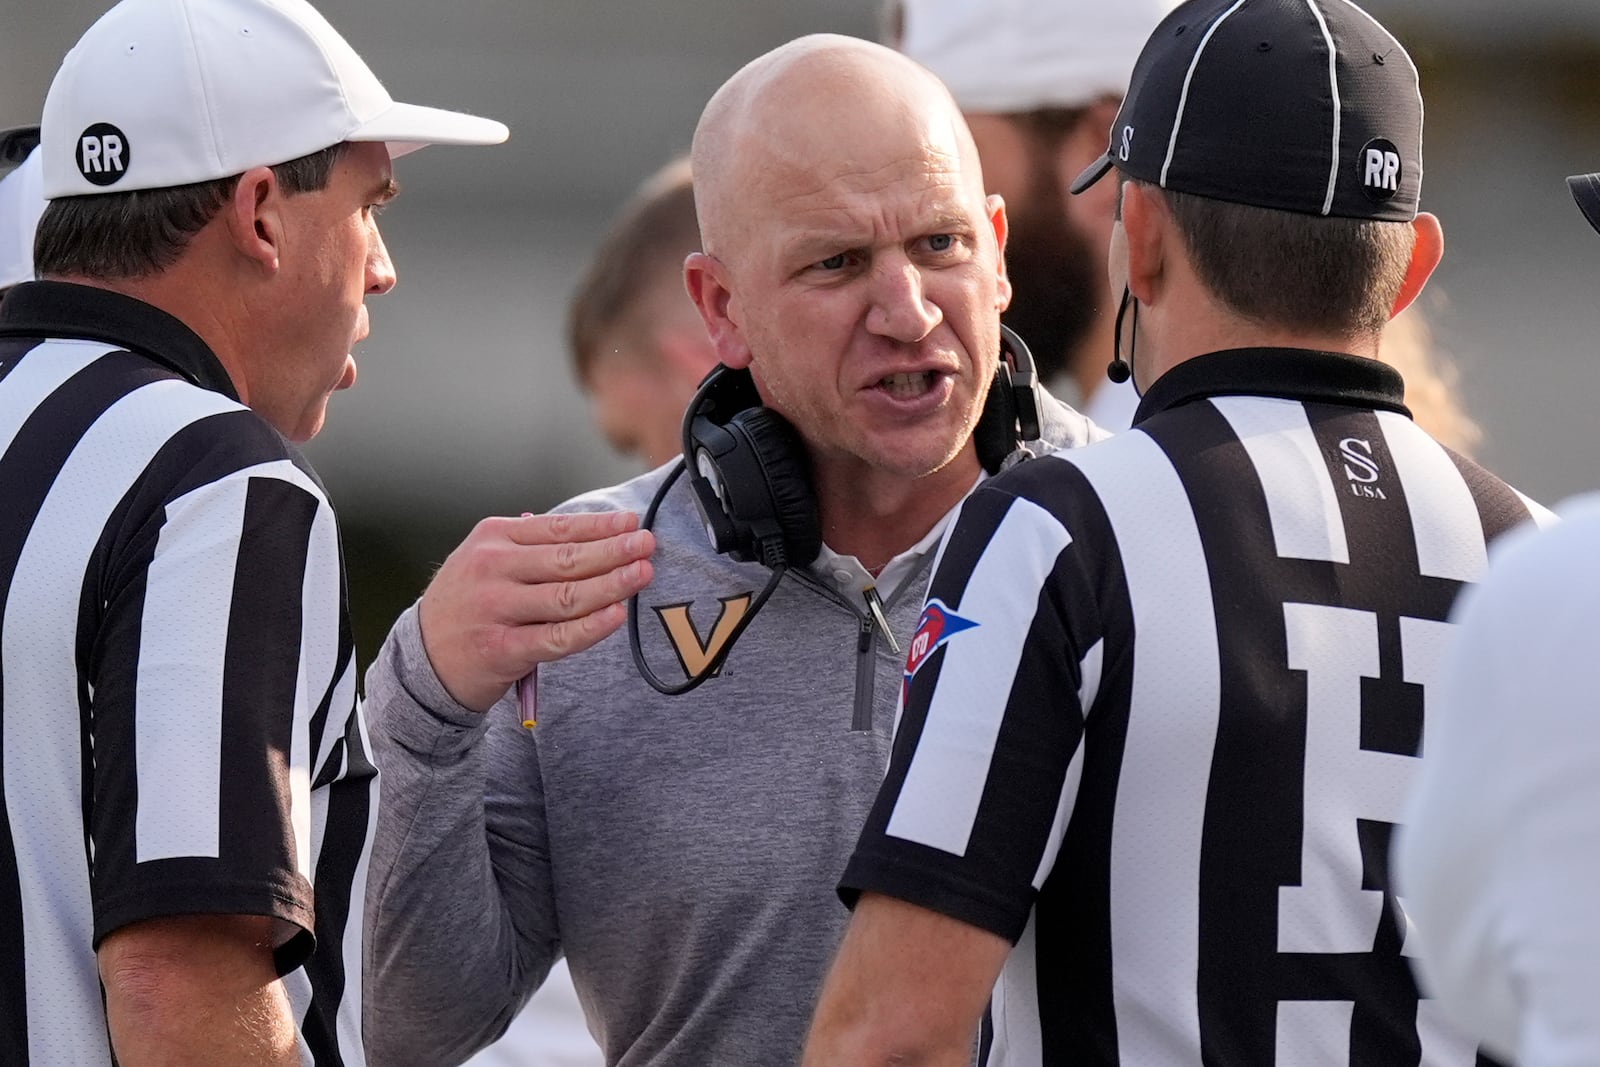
(83, 312)
(1290, 373)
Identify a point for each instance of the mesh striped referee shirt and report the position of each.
(178, 726)
(1166, 698)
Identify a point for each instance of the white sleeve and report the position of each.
(1499, 861)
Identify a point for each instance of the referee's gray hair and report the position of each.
(136, 234)
(1329, 275)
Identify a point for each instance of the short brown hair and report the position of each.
(132, 235)
(647, 242)
(1302, 272)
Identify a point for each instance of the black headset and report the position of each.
(17, 143)
(751, 477)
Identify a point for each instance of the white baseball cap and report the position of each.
(1021, 55)
(21, 203)
(160, 93)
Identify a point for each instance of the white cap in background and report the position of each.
(1021, 55)
(21, 203)
(161, 93)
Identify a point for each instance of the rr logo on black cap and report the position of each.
(103, 154)
(1380, 170)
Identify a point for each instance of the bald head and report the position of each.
(807, 112)
(852, 263)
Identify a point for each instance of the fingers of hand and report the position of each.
(569, 528)
(575, 560)
(499, 605)
(552, 641)
(562, 601)
(580, 613)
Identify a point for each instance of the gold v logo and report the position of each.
(693, 653)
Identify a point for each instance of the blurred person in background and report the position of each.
(1040, 82)
(638, 345)
(21, 203)
(1499, 859)
(1175, 684)
(1433, 381)
(188, 791)
(680, 850)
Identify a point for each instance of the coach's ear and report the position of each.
(996, 206)
(1424, 258)
(707, 281)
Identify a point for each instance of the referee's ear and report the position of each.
(1425, 256)
(253, 219)
(1148, 229)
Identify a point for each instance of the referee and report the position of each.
(1169, 691)
(188, 790)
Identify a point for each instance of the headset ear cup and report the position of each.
(781, 456)
(995, 436)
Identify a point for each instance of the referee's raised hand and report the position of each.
(523, 591)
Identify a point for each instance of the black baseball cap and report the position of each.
(1586, 191)
(17, 143)
(1308, 106)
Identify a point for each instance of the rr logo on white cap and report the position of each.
(1380, 170)
(103, 154)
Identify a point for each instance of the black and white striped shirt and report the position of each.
(1165, 702)
(177, 683)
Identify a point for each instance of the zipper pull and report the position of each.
(875, 607)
